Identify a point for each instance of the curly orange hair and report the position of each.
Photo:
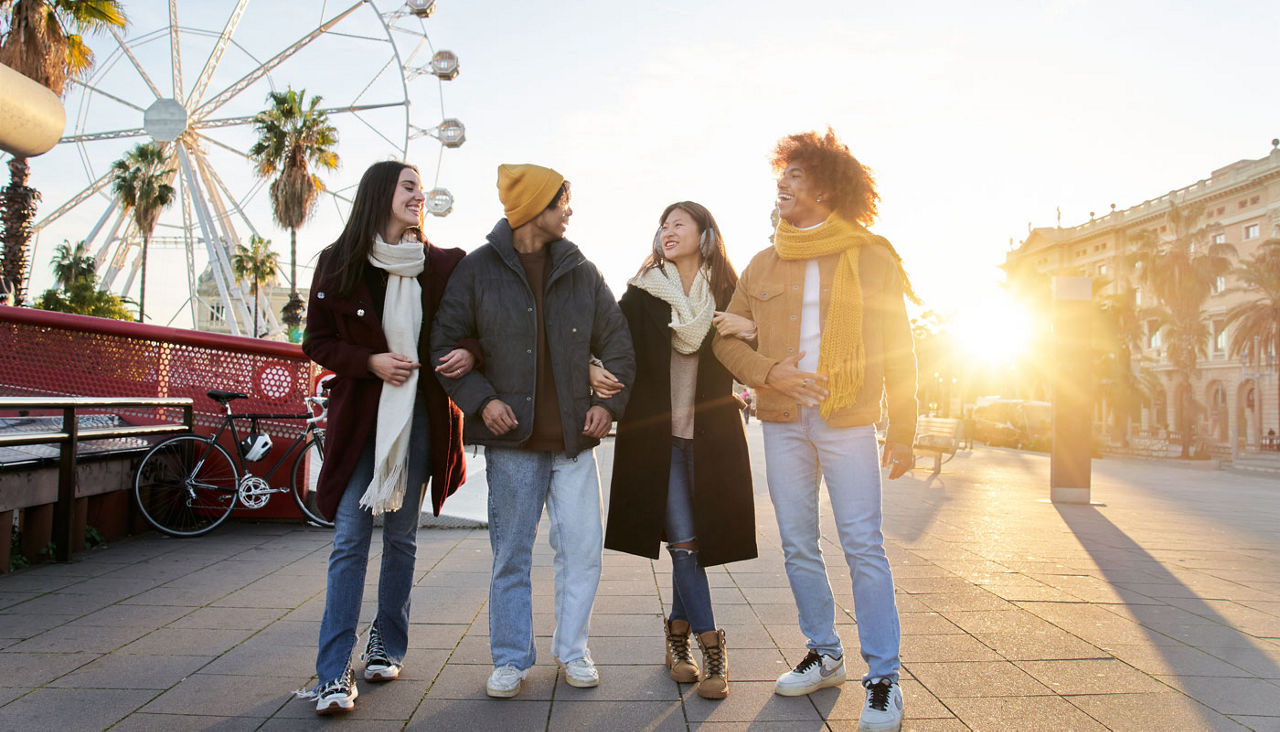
(835, 170)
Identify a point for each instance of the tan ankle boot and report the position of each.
(679, 658)
(715, 665)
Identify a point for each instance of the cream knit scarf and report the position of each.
(401, 321)
(690, 314)
(842, 355)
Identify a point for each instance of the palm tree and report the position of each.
(1257, 323)
(256, 263)
(139, 183)
(294, 137)
(1181, 272)
(42, 41)
(72, 264)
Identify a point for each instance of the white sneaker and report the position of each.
(504, 682)
(816, 671)
(378, 666)
(580, 672)
(883, 710)
(338, 695)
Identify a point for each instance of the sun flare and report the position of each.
(993, 329)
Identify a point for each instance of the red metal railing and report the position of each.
(55, 354)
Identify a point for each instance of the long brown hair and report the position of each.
(369, 213)
(723, 277)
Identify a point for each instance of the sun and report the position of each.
(993, 329)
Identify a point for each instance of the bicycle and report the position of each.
(187, 485)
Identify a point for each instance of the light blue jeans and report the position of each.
(797, 456)
(352, 534)
(520, 483)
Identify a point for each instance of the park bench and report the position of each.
(937, 436)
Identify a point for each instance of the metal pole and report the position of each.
(64, 509)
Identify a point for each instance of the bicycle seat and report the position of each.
(222, 397)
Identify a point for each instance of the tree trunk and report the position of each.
(1184, 416)
(256, 330)
(293, 260)
(17, 211)
(142, 294)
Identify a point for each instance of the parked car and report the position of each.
(1014, 423)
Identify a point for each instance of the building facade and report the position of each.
(1241, 207)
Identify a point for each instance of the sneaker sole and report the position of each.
(336, 706)
(830, 681)
(502, 693)
(381, 676)
(879, 728)
(577, 683)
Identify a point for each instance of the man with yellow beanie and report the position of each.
(827, 300)
(540, 310)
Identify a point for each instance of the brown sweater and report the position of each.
(770, 292)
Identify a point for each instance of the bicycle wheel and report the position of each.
(303, 479)
(186, 485)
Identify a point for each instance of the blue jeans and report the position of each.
(690, 592)
(797, 456)
(520, 483)
(352, 533)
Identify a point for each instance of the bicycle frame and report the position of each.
(229, 423)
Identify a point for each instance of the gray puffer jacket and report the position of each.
(488, 298)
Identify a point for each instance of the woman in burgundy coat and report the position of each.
(373, 297)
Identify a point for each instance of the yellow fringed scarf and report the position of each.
(842, 356)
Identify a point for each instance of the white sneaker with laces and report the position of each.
(816, 671)
(338, 695)
(378, 666)
(580, 672)
(504, 682)
(883, 710)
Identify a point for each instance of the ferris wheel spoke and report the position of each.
(203, 163)
(248, 79)
(136, 65)
(222, 145)
(174, 51)
(206, 124)
(215, 56)
(112, 97)
(378, 132)
(112, 135)
(74, 201)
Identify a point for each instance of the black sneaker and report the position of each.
(377, 665)
(338, 695)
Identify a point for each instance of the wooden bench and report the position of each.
(937, 436)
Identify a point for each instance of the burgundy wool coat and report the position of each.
(341, 335)
(724, 515)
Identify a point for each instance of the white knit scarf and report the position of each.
(690, 314)
(401, 321)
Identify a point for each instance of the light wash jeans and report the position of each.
(797, 456)
(352, 533)
(690, 592)
(520, 483)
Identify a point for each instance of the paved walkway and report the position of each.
(1156, 608)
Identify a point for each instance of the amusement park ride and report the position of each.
(371, 61)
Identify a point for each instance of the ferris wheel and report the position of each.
(381, 81)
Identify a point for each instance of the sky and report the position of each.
(976, 118)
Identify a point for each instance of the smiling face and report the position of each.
(554, 221)
(407, 201)
(798, 198)
(679, 237)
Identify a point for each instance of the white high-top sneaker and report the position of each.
(883, 710)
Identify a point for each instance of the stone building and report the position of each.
(1241, 208)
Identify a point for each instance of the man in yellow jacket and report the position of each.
(832, 336)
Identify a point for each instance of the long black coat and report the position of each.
(723, 507)
(342, 333)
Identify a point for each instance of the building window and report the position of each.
(1153, 334)
(1137, 298)
(1221, 210)
(1219, 284)
(1219, 337)
(1219, 238)
(1251, 231)
(1253, 201)
(1243, 204)
(217, 313)
(1102, 270)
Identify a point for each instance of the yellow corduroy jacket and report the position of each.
(770, 292)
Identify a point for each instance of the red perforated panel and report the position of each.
(55, 354)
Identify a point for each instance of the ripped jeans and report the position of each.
(690, 593)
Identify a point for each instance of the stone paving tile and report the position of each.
(1048, 713)
(25, 625)
(1141, 712)
(467, 682)
(9, 693)
(227, 696)
(1230, 696)
(845, 703)
(949, 647)
(749, 701)
(56, 604)
(293, 633)
(433, 635)
(623, 684)
(981, 679)
(1258, 724)
(72, 637)
(71, 709)
(139, 616)
(116, 671)
(1259, 659)
(492, 715)
(37, 669)
(394, 701)
(186, 641)
(146, 722)
(573, 714)
(227, 618)
(258, 659)
(1091, 677)
(632, 651)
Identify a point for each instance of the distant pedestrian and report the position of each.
(746, 405)
(539, 310)
(372, 299)
(681, 469)
(833, 336)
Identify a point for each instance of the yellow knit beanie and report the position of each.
(525, 190)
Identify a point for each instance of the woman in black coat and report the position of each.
(680, 469)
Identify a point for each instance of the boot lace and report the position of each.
(679, 647)
(714, 661)
(878, 694)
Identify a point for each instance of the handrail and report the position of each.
(71, 435)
